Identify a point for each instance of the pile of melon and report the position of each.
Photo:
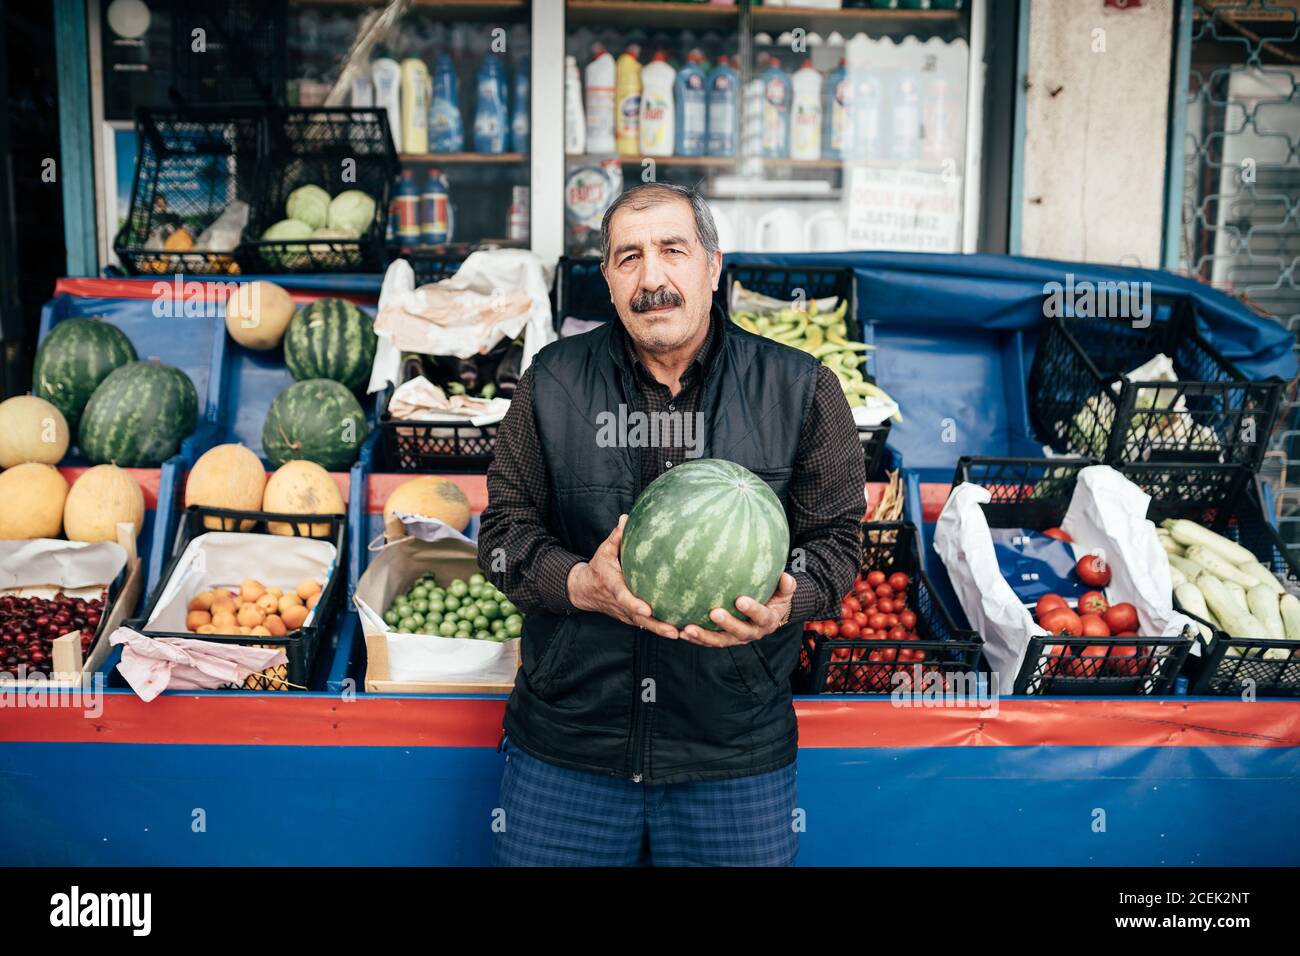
(231, 477)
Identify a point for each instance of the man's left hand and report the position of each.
(763, 619)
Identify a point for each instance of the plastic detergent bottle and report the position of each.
(415, 106)
(408, 208)
(434, 225)
(692, 104)
(600, 102)
(776, 111)
(446, 131)
(575, 123)
(491, 118)
(627, 95)
(835, 102)
(723, 108)
(806, 113)
(519, 116)
(386, 76)
(657, 107)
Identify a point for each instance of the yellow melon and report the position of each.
(302, 488)
(31, 429)
(228, 476)
(31, 502)
(257, 315)
(99, 499)
(431, 497)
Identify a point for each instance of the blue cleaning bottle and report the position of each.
(724, 108)
(835, 106)
(492, 117)
(776, 112)
(446, 132)
(519, 119)
(692, 107)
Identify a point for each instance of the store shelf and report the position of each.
(449, 159)
(719, 161)
(459, 9)
(641, 15)
(793, 16)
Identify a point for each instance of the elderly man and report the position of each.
(628, 742)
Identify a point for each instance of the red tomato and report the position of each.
(860, 619)
(1086, 664)
(1093, 602)
(868, 600)
(1127, 634)
(1094, 625)
(1058, 534)
(1061, 620)
(840, 654)
(899, 581)
(907, 619)
(830, 629)
(887, 653)
(1122, 617)
(1093, 571)
(1123, 660)
(905, 654)
(849, 631)
(1046, 603)
(852, 602)
(884, 591)
(877, 622)
(896, 633)
(918, 655)
(868, 634)
(885, 606)
(876, 578)
(1057, 662)
(891, 619)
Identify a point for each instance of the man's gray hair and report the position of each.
(649, 194)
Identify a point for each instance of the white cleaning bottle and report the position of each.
(806, 123)
(387, 77)
(575, 123)
(657, 110)
(600, 102)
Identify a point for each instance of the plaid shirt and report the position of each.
(825, 503)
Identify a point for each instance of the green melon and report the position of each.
(138, 416)
(317, 420)
(703, 534)
(73, 359)
(333, 339)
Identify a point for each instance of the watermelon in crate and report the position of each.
(73, 359)
(138, 416)
(330, 338)
(317, 420)
(700, 536)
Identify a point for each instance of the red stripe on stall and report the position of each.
(147, 478)
(306, 721)
(213, 288)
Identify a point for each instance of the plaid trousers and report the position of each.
(555, 816)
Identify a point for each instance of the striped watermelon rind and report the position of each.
(703, 534)
(330, 338)
(73, 359)
(138, 416)
(317, 420)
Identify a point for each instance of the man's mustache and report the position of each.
(658, 299)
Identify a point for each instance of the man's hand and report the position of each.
(763, 619)
(598, 585)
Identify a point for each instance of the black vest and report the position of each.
(596, 694)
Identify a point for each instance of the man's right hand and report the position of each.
(598, 585)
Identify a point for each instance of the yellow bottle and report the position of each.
(415, 106)
(627, 99)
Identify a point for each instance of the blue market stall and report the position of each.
(336, 775)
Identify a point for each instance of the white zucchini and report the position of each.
(1238, 595)
(1289, 607)
(1171, 546)
(1176, 577)
(1263, 575)
(1190, 533)
(1220, 568)
(1192, 600)
(1264, 606)
(1232, 619)
(1189, 567)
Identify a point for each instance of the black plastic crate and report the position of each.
(580, 291)
(191, 164)
(787, 282)
(434, 447)
(243, 55)
(338, 150)
(1035, 493)
(431, 267)
(836, 665)
(1226, 418)
(301, 645)
(873, 439)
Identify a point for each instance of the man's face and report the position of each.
(661, 280)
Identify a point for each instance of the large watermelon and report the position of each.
(74, 358)
(316, 420)
(333, 339)
(703, 534)
(138, 416)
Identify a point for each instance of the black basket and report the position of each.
(300, 645)
(580, 291)
(785, 282)
(1227, 419)
(857, 666)
(873, 438)
(243, 56)
(321, 146)
(431, 267)
(191, 164)
(1035, 493)
(434, 447)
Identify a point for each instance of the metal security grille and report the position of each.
(1241, 185)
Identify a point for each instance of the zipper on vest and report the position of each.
(638, 708)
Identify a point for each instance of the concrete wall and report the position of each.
(1095, 130)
